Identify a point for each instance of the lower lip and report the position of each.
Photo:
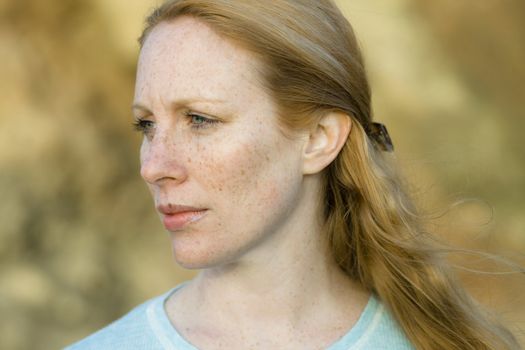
(174, 222)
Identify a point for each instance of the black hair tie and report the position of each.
(378, 133)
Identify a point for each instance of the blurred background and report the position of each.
(80, 243)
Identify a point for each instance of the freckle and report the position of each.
(243, 172)
(189, 160)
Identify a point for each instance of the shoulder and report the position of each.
(132, 331)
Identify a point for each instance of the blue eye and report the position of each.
(142, 125)
(198, 121)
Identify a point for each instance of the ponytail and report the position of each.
(376, 237)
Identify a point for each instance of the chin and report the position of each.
(197, 255)
(193, 262)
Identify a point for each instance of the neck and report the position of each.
(278, 286)
(288, 279)
(275, 291)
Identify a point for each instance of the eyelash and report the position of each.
(206, 122)
(144, 126)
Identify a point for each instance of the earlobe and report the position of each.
(325, 141)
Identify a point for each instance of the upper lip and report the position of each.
(171, 209)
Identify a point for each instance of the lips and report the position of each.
(176, 217)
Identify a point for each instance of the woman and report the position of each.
(268, 172)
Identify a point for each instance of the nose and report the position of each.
(161, 162)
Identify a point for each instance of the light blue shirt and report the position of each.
(147, 327)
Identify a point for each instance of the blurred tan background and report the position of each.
(80, 243)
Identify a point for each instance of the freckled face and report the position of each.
(211, 141)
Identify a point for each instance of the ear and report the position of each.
(325, 141)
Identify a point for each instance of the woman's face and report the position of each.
(224, 179)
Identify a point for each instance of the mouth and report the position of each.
(176, 217)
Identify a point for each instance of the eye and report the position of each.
(143, 126)
(198, 121)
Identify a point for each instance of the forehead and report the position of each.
(186, 57)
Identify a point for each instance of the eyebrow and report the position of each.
(139, 107)
(182, 102)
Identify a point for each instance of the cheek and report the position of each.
(232, 170)
(245, 176)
